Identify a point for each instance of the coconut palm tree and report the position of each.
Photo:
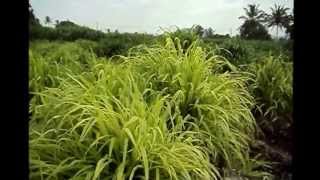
(289, 25)
(278, 18)
(252, 28)
(253, 13)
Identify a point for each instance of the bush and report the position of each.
(119, 44)
(236, 51)
(40, 32)
(112, 46)
(87, 44)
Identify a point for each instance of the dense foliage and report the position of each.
(254, 30)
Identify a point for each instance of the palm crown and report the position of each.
(279, 17)
(253, 13)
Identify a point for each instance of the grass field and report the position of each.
(163, 110)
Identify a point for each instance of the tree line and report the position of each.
(255, 26)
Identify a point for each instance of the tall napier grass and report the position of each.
(51, 61)
(213, 103)
(273, 91)
(163, 113)
(107, 125)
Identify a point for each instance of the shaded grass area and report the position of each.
(273, 93)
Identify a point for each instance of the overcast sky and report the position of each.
(149, 15)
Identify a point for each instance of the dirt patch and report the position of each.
(275, 143)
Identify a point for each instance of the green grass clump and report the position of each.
(273, 90)
(217, 104)
(163, 113)
(113, 131)
(186, 37)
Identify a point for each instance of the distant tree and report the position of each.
(289, 25)
(47, 20)
(278, 18)
(66, 23)
(290, 30)
(210, 32)
(199, 30)
(32, 18)
(57, 22)
(35, 28)
(205, 33)
(252, 28)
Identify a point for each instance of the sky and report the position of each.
(149, 15)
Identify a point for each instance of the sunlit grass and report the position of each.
(163, 113)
